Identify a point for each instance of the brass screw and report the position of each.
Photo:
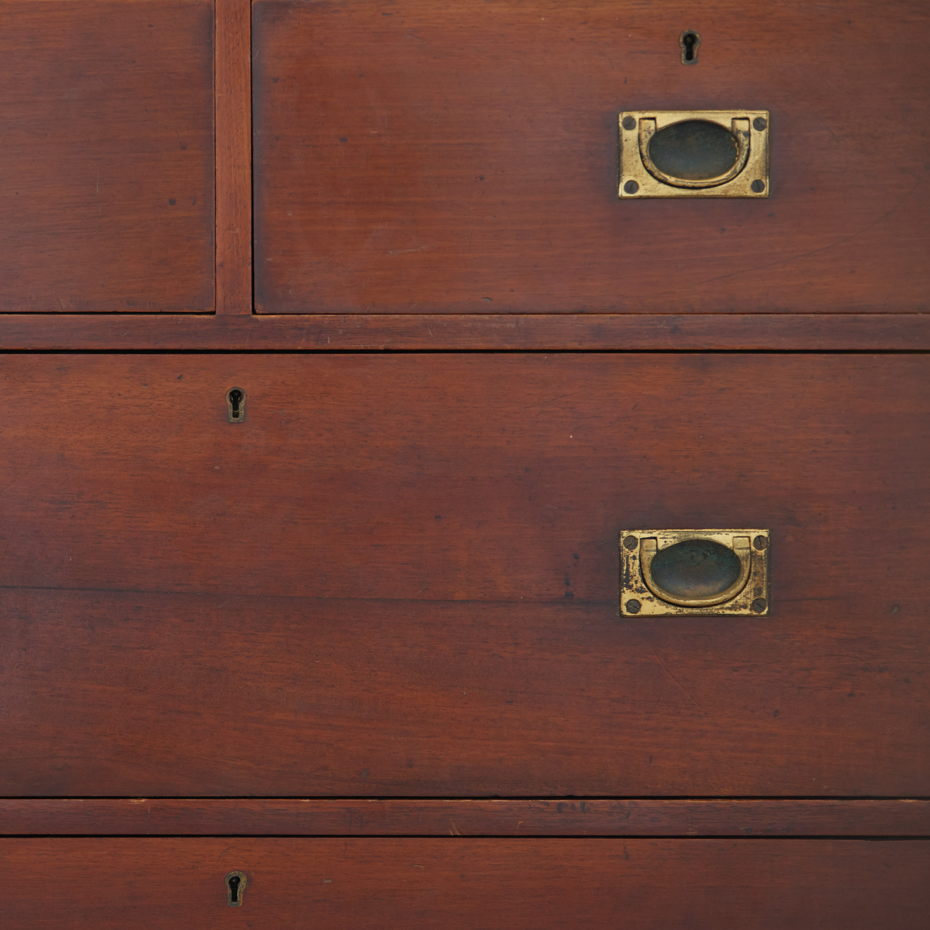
(633, 607)
(631, 542)
(757, 187)
(758, 605)
(629, 122)
(759, 123)
(631, 187)
(760, 542)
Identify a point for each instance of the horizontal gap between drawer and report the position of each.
(549, 817)
(871, 838)
(452, 350)
(478, 799)
(320, 332)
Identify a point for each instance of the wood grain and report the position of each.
(398, 577)
(432, 332)
(422, 817)
(466, 883)
(461, 157)
(233, 158)
(106, 165)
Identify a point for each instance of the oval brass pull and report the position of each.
(739, 131)
(698, 571)
(694, 572)
(694, 154)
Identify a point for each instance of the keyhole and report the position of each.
(235, 888)
(235, 399)
(689, 42)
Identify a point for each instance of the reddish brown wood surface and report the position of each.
(461, 157)
(465, 883)
(233, 158)
(322, 332)
(399, 576)
(106, 162)
(421, 817)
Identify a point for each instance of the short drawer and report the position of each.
(397, 575)
(106, 161)
(461, 157)
(464, 883)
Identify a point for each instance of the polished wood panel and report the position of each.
(465, 883)
(461, 157)
(233, 158)
(399, 576)
(440, 332)
(203, 695)
(422, 817)
(106, 164)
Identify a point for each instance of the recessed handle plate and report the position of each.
(665, 573)
(694, 153)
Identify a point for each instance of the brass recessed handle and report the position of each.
(739, 133)
(694, 572)
(697, 572)
(694, 153)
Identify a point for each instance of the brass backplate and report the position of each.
(637, 600)
(640, 177)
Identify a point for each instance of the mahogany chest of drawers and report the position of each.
(339, 349)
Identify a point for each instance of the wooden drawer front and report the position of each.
(398, 576)
(465, 883)
(106, 160)
(462, 157)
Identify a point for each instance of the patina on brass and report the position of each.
(236, 883)
(694, 153)
(665, 573)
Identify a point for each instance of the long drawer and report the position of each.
(398, 575)
(464, 883)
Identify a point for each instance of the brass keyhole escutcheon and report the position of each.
(235, 402)
(690, 42)
(236, 883)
